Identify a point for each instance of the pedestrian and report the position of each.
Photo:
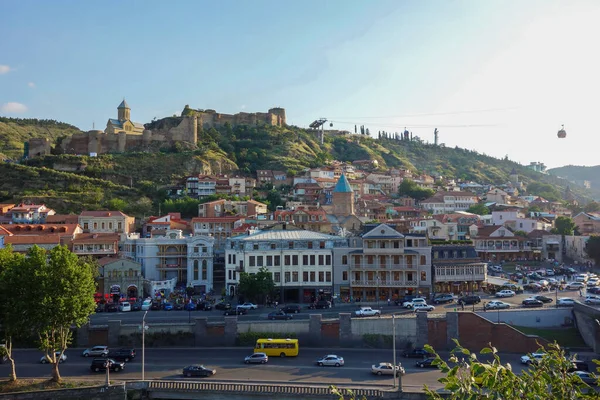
(580, 292)
(462, 306)
(389, 302)
(484, 308)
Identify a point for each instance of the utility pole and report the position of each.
(320, 123)
(394, 348)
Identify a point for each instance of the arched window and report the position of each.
(195, 270)
(204, 270)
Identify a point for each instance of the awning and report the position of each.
(552, 242)
(492, 280)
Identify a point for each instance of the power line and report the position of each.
(396, 125)
(434, 114)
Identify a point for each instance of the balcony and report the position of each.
(383, 284)
(171, 266)
(462, 278)
(388, 266)
(88, 251)
(503, 248)
(171, 254)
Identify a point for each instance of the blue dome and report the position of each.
(343, 186)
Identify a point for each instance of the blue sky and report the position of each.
(496, 76)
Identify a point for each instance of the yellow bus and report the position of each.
(277, 347)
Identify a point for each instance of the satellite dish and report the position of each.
(562, 133)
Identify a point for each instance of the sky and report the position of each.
(498, 77)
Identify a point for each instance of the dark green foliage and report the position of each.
(592, 248)
(564, 226)
(411, 189)
(187, 206)
(256, 287)
(479, 209)
(545, 190)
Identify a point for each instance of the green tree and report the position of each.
(411, 189)
(520, 233)
(62, 295)
(256, 287)
(592, 206)
(468, 378)
(274, 199)
(564, 226)
(116, 204)
(592, 248)
(479, 209)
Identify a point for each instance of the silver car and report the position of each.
(257, 358)
(96, 351)
(46, 360)
(331, 360)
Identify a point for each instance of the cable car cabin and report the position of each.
(562, 133)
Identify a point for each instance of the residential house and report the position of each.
(457, 268)
(30, 213)
(309, 218)
(300, 261)
(106, 222)
(160, 225)
(498, 243)
(430, 227)
(587, 223)
(448, 202)
(201, 186)
(545, 245)
(307, 192)
(222, 207)
(458, 224)
(264, 176)
(497, 195)
(575, 249)
(24, 236)
(120, 277)
(516, 220)
(96, 244)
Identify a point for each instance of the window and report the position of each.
(423, 276)
(287, 260)
(310, 245)
(290, 245)
(423, 260)
(255, 246)
(259, 261)
(322, 245)
(305, 260)
(409, 276)
(295, 259)
(312, 260)
(204, 270)
(370, 244)
(321, 276)
(305, 276)
(344, 275)
(276, 277)
(110, 225)
(295, 276)
(287, 277)
(197, 250)
(344, 260)
(273, 246)
(327, 276)
(327, 260)
(396, 244)
(234, 258)
(321, 259)
(269, 261)
(382, 244)
(357, 276)
(204, 249)
(103, 225)
(312, 276)
(251, 261)
(195, 270)
(436, 254)
(85, 225)
(95, 225)
(229, 274)
(277, 261)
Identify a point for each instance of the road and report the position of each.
(168, 363)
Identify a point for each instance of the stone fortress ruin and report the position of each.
(122, 134)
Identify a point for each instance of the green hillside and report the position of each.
(578, 174)
(14, 132)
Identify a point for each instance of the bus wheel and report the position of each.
(282, 355)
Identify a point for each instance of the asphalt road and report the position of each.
(168, 364)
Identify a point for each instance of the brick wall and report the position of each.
(476, 333)
(437, 333)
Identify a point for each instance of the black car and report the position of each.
(198, 370)
(206, 306)
(234, 311)
(100, 364)
(322, 304)
(111, 307)
(471, 299)
(223, 306)
(291, 309)
(426, 363)
(122, 355)
(155, 306)
(543, 299)
(136, 306)
(279, 315)
(594, 290)
(443, 298)
(99, 307)
(532, 303)
(416, 353)
(179, 306)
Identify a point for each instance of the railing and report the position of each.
(171, 254)
(372, 283)
(454, 278)
(502, 248)
(185, 386)
(92, 251)
(383, 266)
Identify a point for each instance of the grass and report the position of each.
(565, 337)
(33, 385)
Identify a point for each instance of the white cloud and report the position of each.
(31, 85)
(13, 108)
(4, 69)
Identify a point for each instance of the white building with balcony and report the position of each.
(188, 259)
(383, 264)
(449, 202)
(300, 261)
(498, 243)
(457, 268)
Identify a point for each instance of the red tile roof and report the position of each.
(217, 219)
(32, 239)
(96, 238)
(42, 229)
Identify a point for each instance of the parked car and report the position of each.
(426, 363)
(248, 306)
(222, 306)
(96, 351)
(330, 360)
(543, 299)
(189, 307)
(205, 306)
(279, 315)
(100, 364)
(533, 358)
(385, 368)
(593, 282)
(565, 302)
(592, 300)
(168, 306)
(531, 302)
(291, 309)
(236, 311)
(581, 278)
(470, 299)
(100, 307)
(411, 303)
(416, 353)
(594, 290)
(122, 354)
(322, 304)
(146, 304)
(198, 370)
(125, 307)
(496, 305)
(367, 312)
(586, 377)
(61, 358)
(179, 306)
(156, 305)
(505, 293)
(579, 365)
(111, 307)
(443, 298)
(422, 307)
(549, 272)
(136, 306)
(257, 358)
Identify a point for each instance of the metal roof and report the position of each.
(343, 186)
(123, 104)
(284, 234)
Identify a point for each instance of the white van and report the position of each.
(146, 304)
(125, 307)
(581, 278)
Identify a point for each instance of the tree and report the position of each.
(411, 189)
(564, 226)
(274, 199)
(592, 248)
(592, 206)
(479, 209)
(468, 378)
(520, 233)
(256, 287)
(61, 295)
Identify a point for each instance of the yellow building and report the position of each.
(124, 123)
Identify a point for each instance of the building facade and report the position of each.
(449, 202)
(457, 268)
(106, 222)
(121, 277)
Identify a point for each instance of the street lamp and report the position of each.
(144, 327)
(107, 365)
(394, 347)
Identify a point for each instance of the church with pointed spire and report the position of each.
(343, 198)
(123, 122)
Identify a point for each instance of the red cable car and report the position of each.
(562, 133)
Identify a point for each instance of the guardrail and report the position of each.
(183, 386)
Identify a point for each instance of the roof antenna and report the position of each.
(93, 126)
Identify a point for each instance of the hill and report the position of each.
(578, 174)
(14, 132)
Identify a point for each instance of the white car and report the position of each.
(61, 359)
(592, 300)
(125, 307)
(101, 351)
(553, 281)
(593, 282)
(248, 306)
(387, 369)
(505, 293)
(367, 312)
(532, 359)
(565, 301)
(330, 360)
(549, 272)
(496, 305)
(575, 285)
(422, 307)
(581, 278)
(410, 304)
